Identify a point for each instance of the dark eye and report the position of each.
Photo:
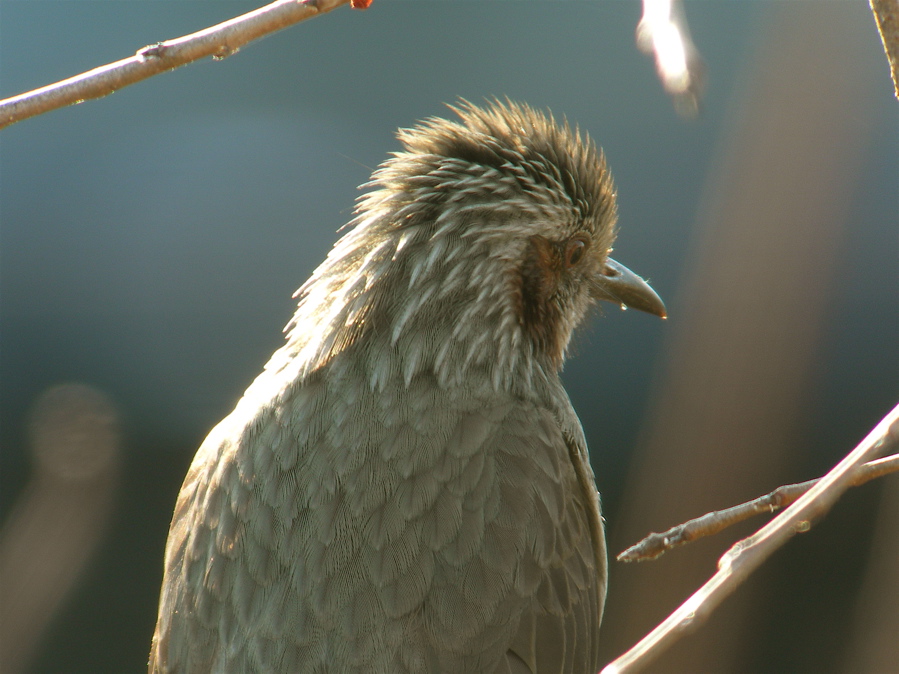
(574, 251)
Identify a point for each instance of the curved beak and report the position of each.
(620, 285)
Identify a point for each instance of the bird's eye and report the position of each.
(574, 251)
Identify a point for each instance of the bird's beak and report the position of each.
(616, 283)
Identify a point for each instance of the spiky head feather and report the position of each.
(456, 261)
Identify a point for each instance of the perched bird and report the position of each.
(406, 487)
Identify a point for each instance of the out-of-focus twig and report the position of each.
(654, 545)
(747, 555)
(663, 32)
(217, 41)
(886, 15)
(61, 516)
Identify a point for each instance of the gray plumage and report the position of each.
(406, 487)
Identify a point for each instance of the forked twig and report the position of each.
(655, 544)
(747, 555)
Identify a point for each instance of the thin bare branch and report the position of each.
(747, 555)
(655, 544)
(886, 15)
(217, 41)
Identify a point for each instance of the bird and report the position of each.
(406, 487)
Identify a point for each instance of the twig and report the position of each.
(217, 41)
(747, 555)
(654, 545)
(663, 32)
(886, 15)
(61, 516)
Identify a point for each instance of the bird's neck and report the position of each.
(406, 308)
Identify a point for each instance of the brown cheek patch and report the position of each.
(540, 273)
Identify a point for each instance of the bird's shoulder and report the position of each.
(427, 519)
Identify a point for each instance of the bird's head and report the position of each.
(481, 247)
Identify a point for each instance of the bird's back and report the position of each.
(333, 525)
(406, 488)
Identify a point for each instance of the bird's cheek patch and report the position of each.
(540, 274)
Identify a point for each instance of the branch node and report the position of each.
(152, 51)
(802, 526)
(224, 51)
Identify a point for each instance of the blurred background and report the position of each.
(151, 242)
